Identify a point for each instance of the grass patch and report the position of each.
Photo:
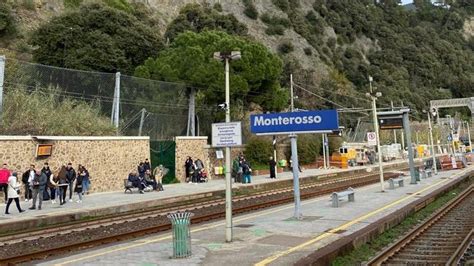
(368, 250)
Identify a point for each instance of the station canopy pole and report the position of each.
(294, 164)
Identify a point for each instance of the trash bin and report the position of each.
(181, 233)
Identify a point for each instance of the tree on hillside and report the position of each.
(189, 59)
(7, 22)
(95, 37)
(194, 17)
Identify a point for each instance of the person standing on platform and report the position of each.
(39, 184)
(78, 187)
(141, 169)
(272, 165)
(147, 165)
(247, 171)
(86, 181)
(188, 167)
(4, 175)
(71, 177)
(26, 178)
(52, 190)
(62, 185)
(13, 191)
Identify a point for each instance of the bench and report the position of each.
(392, 182)
(429, 173)
(337, 195)
(127, 186)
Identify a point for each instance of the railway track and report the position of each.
(443, 239)
(43, 243)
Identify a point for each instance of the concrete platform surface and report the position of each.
(117, 201)
(271, 236)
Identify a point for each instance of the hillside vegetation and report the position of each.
(331, 47)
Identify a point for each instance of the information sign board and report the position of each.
(371, 139)
(226, 134)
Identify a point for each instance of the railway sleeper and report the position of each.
(425, 257)
(413, 262)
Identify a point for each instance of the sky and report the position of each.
(407, 2)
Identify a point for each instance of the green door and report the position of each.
(163, 152)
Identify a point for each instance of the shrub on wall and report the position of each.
(44, 112)
(258, 150)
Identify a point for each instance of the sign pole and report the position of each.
(275, 155)
(433, 154)
(411, 162)
(228, 181)
(294, 164)
(324, 151)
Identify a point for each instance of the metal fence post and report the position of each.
(116, 108)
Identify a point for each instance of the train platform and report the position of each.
(99, 204)
(272, 236)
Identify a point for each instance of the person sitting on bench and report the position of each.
(150, 179)
(136, 182)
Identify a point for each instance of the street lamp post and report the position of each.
(226, 57)
(435, 168)
(376, 127)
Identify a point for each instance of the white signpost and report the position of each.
(371, 139)
(226, 134)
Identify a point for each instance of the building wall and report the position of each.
(108, 159)
(190, 146)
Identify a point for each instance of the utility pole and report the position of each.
(2, 77)
(435, 168)
(294, 158)
(394, 131)
(142, 120)
(376, 127)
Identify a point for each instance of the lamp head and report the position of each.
(378, 94)
(371, 79)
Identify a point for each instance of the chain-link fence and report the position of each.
(148, 107)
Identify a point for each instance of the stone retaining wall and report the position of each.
(108, 159)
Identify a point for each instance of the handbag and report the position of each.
(17, 190)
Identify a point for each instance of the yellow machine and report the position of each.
(348, 152)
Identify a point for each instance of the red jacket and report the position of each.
(4, 175)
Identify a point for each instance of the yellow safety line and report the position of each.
(268, 260)
(342, 227)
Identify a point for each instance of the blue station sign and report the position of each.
(321, 121)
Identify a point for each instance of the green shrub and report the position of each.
(250, 9)
(218, 7)
(72, 3)
(308, 148)
(119, 4)
(275, 30)
(308, 51)
(7, 22)
(281, 4)
(29, 4)
(274, 20)
(285, 47)
(44, 112)
(258, 150)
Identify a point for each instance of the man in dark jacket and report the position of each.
(147, 165)
(39, 184)
(25, 178)
(47, 195)
(71, 177)
(272, 164)
(136, 181)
